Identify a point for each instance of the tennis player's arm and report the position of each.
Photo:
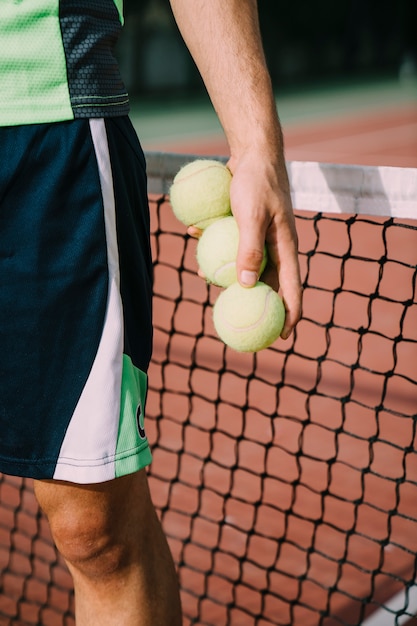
(225, 42)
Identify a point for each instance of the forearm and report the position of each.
(225, 42)
(224, 39)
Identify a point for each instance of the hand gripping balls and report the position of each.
(248, 320)
(217, 251)
(199, 193)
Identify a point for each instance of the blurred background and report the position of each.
(344, 75)
(304, 42)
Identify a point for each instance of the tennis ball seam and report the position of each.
(179, 178)
(253, 326)
(223, 268)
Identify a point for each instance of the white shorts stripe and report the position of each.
(88, 451)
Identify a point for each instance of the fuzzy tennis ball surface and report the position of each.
(217, 251)
(248, 320)
(199, 193)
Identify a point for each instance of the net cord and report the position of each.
(325, 187)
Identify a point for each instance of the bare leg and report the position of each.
(113, 544)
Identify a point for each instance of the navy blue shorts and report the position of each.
(75, 300)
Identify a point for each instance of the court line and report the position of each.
(384, 616)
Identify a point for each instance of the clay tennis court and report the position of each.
(286, 481)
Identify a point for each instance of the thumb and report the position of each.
(250, 255)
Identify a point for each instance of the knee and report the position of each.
(90, 543)
(99, 529)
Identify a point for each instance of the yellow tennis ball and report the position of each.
(217, 251)
(248, 320)
(199, 193)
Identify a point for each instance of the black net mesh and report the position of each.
(286, 480)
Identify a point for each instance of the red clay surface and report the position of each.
(386, 137)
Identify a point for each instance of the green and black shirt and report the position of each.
(57, 61)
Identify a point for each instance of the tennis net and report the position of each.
(286, 480)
